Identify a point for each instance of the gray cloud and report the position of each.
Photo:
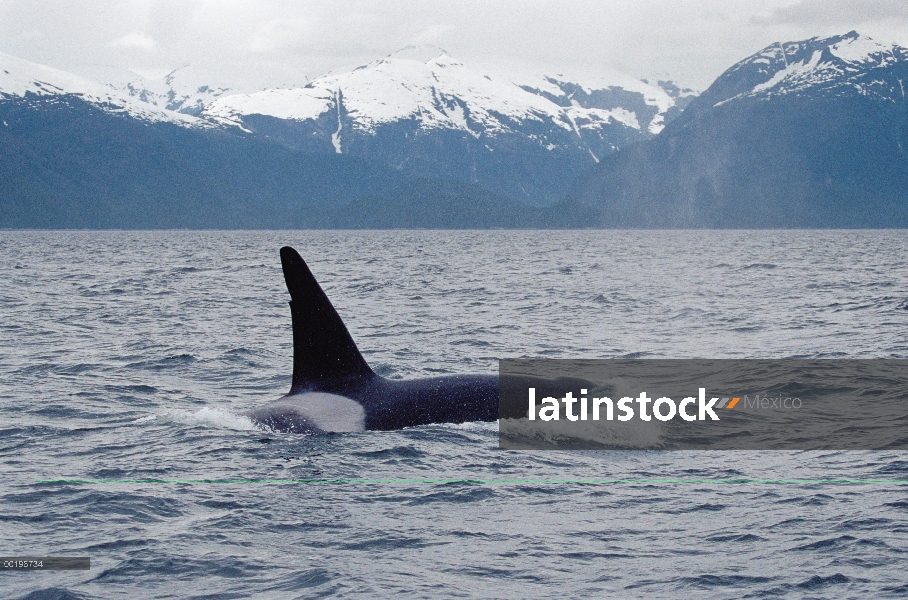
(249, 45)
(839, 12)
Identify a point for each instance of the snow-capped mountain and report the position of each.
(521, 136)
(76, 153)
(443, 93)
(849, 64)
(439, 118)
(811, 133)
(27, 80)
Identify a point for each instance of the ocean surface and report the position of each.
(127, 360)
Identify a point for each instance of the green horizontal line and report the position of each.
(343, 481)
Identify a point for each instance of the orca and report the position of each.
(334, 390)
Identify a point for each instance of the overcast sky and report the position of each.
(250, 44)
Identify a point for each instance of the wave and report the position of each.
(208, 416)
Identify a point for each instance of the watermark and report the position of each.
(45, 563)
(703, 404)
(663, 409)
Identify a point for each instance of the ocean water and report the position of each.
(127, 360)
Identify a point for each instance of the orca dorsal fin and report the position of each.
(323, 349)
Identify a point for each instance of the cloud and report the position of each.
(278, 34)
(135, 39)
(834, 12)
(432, 34)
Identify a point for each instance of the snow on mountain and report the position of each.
(843, 64)
(523, 136)
(443, 93)
(24, 79)
(436, 93)
(181, 90)
(634, 102)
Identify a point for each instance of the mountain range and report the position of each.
(400, 141)
(809, 133)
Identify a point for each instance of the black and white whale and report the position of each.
(334, 390)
